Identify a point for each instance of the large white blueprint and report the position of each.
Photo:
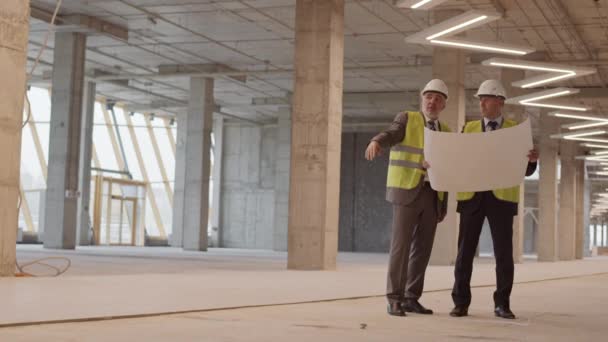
(478, 161)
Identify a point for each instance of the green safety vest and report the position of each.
(506, 194)
(405, 161)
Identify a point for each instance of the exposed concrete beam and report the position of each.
(271, 101)
(160, 105)
(233, 72)
(89, 23)
(173, 69)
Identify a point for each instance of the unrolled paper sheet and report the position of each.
(478, 161)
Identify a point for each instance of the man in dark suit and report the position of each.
(499, 206)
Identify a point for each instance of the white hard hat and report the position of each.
(493, 88)
(436, 85)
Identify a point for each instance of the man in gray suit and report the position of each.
(417, 208)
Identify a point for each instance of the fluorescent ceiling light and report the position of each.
(599, 152)
(562, 71)
(591, 140)
(514, 64)
(574, 137)
(548, 96)
(530, 99)
(418, 4)
(460, 23)
(595, 145)
(546, 105)
(577, 116)
(457, 27)
(595, 158)
(580, 135)
(580, 125)
(548, 80)
(478, 46)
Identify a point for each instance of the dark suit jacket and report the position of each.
(479, 198)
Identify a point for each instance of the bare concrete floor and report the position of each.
(245, 295)
(557, 310)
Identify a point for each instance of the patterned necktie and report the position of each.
(432, 125)
(492, 125)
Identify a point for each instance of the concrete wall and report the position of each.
(248, 187)
(248, 192)
(248, 196)
(365, 216)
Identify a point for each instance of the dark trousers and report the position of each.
(501, 226)
(412, 238)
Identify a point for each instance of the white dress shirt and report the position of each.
(499, 120)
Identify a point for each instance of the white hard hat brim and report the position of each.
(433, 91)
(478, 95)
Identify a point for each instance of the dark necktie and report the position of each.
(432, 125)
(492, 125)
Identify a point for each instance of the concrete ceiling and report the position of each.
(258, 35)
(256, 38)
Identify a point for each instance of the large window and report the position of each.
(140, 146)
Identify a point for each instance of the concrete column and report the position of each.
(587, 216)
(580, 247)
(194, 180)
(566, 227)
(281, 176)
(84, 173)
(14, 16)
(547, 189)
(593, 229)
(517, 113)
(180, 179)
(64, 141)
(448, 65)
(218, 157)
(316, 135)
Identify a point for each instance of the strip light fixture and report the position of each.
(560, 114)
(580, 125)
(591, 140)
(531, 99)
(578, 134)
(593, 158)
(595, 146)
(461, 23)
(554, 72)
(498, 48)
(418, 4)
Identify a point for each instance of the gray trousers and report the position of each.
(413, 233)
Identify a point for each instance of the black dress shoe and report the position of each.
(394, 309)
(459, 311)
(412, 305)
(504, 312)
